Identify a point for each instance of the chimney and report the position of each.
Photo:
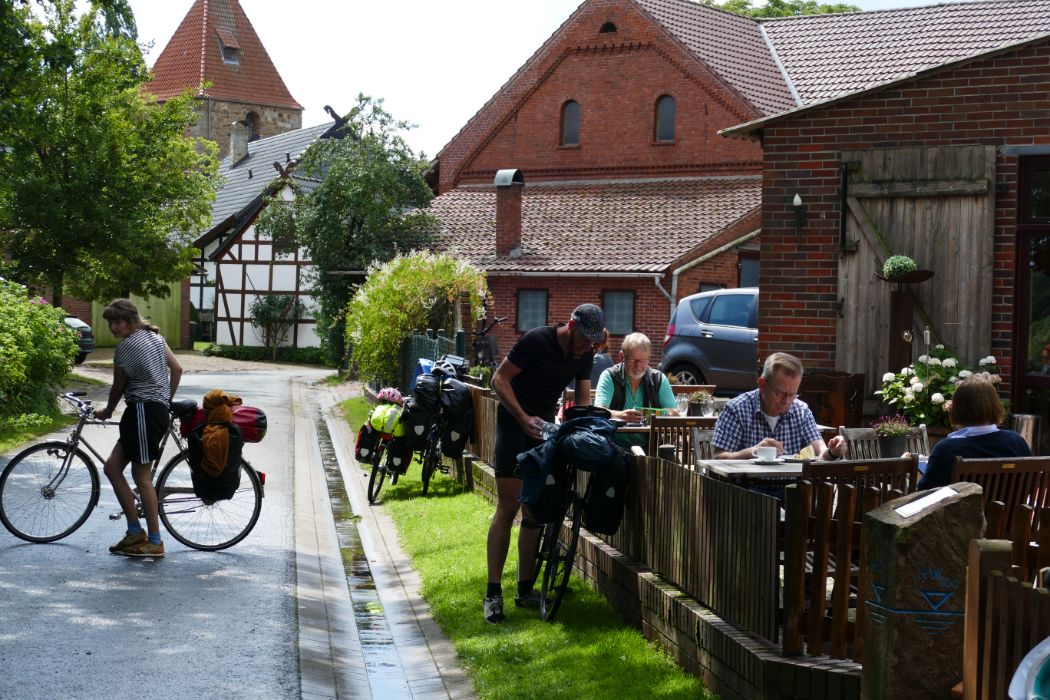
(509, 184)
(238, 142)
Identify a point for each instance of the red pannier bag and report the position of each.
(250, 420)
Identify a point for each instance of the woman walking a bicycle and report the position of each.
(146, 374)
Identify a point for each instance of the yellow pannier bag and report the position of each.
(386, 418)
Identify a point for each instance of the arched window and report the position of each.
(607, 28)
(251, 121)
(664, 119)
(570, 123)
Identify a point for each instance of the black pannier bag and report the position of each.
(426, 392)
(457, 417)
(417, 421)
(367, 440)
(399, 453)
(550, 505)
(603, 510)
(223, 486)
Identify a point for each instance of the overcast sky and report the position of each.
(435, 63)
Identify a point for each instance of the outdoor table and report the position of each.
(745, 472)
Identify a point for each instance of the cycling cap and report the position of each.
(390, 395)
(591, 321)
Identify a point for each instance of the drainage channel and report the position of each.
(386, 675)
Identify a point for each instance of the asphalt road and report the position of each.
(78, 622)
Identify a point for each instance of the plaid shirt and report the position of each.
(742, 424)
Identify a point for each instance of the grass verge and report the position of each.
(589, 652)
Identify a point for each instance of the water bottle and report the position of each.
(548, 430)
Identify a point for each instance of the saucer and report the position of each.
(766, 463)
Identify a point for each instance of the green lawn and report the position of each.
(588, 652)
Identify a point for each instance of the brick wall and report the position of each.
(999, 101)
(616, 78)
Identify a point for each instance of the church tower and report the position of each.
(217, 45)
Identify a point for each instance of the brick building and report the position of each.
(630, 199)
(933, 144)
(216, 44)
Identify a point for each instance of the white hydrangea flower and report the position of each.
(953, 379)
(914, 380)
(982, 362)
(963, 374)
(950, 362)
(924, 358)
(888, 377)
(990, 359)
(917, 386)
(937, 398)
(907, 371)
(908, 397)
(934, 362)
(940, 346)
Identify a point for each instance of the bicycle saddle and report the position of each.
(586, 412)
(183, 408)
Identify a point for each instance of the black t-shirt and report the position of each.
(544, 371)
(1001, 443)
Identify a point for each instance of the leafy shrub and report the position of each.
(274, 315)
(302, 356)
(36, 355)
(418, 290)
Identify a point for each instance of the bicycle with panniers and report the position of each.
(440, 418)
(552, 495)
(382, 443)
(48, 490)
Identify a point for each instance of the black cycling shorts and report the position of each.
(141, 428)
(511, 440)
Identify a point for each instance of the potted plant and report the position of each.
(892, 432)
(701, 403)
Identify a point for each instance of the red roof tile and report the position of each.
(731, 45)
(193, 55)
(831, 55)
(630, 226)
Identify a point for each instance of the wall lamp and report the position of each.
(800, 214)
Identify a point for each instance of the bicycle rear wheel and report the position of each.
(42, 502)
(205, 524)
(560, 555)
(375, 479)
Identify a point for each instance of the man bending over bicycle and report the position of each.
(146, 374)
(529, 383)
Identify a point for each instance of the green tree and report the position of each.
(418, 290)
(366, 206)
(783, 8)
(101, 193)
(275, 314)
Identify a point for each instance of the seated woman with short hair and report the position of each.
(976, 412)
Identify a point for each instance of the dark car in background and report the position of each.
(713, 339)
(85, 338)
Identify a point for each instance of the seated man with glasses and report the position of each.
(769, 416)
(632, 385)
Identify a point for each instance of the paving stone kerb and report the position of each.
(916, 598)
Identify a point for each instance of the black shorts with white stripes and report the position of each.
(141, 428)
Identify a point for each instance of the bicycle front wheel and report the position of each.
(561, 554)
(206, 524)
(431, 461)
(47, 491)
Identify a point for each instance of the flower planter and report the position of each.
(702, 408)
(892, 445)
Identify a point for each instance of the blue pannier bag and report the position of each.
(587, 442)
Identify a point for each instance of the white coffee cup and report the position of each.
(766, 454)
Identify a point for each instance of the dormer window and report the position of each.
(570, 123)
(607, 28)
(228, 47)
(663, 121)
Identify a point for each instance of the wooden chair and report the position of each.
(863, 443)
(1012, 480)
(677, 431)
(702, 447)
(892, 477)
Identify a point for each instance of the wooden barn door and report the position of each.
(937, 206)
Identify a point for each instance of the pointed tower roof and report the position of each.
(216, 43)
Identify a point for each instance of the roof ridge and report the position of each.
(884, 10)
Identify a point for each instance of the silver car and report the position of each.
(713, 339)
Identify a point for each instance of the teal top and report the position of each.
(632, 399)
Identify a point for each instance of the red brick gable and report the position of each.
(617, 78)
(193, 56)
(636, 226)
